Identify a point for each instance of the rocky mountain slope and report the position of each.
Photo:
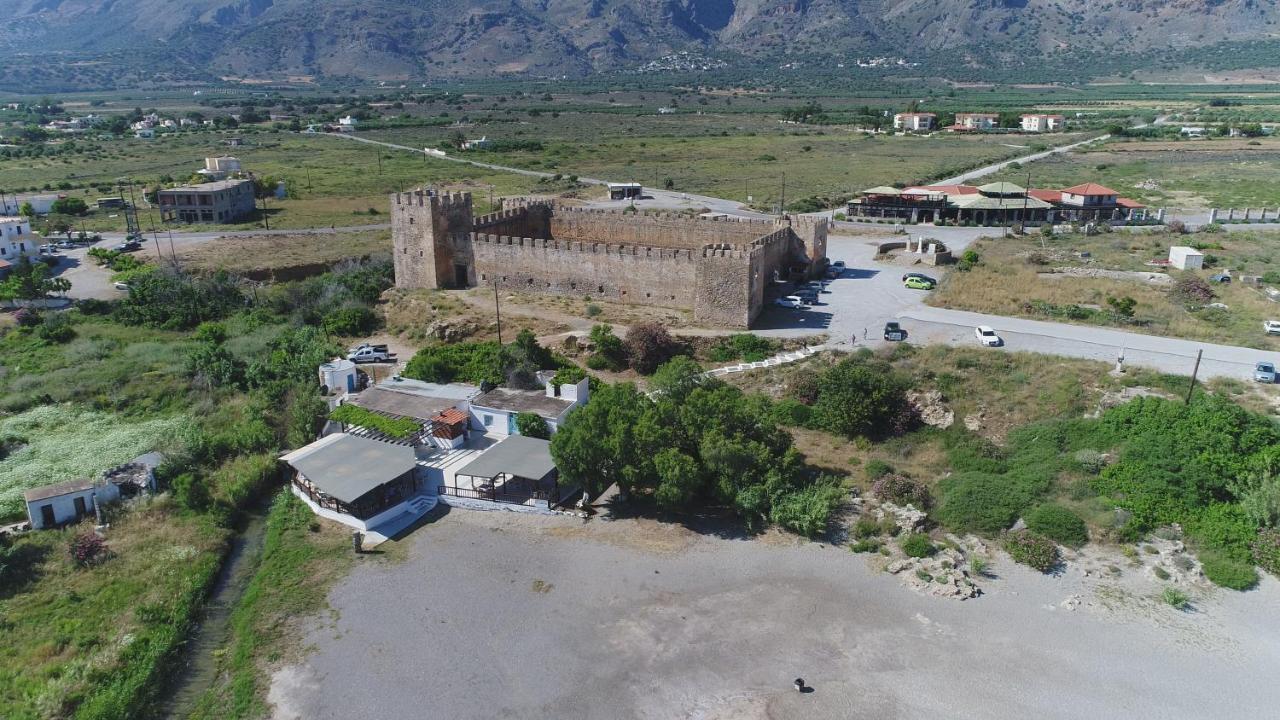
(473, 38)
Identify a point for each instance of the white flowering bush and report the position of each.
(65, 443)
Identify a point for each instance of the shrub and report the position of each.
(979, 565)
(791, 413)
(609, 351)
(917, 545)
(1058, 524)
(593, 310)
(568, 375)
(808, 510)
(87, 548)
(649, 345)
(866, 545)
(901, 490)
(1174, 598)
(979, 503)
(56, 328)
(1032, 549)
(191, 492)
(26, 317)
(1227, 572)
(1266, 550)
(968, 260)
(356, 320)
(877, 469)
(859, 397)
(803, 386)
(1091, 461)
(866, 527)
(532, 425)
(1224, 527)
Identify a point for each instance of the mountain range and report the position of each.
(124, 42)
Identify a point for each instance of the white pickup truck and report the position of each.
(369, 353)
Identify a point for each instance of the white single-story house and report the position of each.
(357, 481)
(495, 411)
(53, 505)
(441, 409)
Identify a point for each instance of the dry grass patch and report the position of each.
(1013, 278)
(264, 255)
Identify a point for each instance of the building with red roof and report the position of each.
(996, 204)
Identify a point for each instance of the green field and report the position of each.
(331, 181)
(730, 156)
(1222, 173)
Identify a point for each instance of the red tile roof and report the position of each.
(948, 189)
(1090, 189)
(452, 416)
(1127, 203)
(1049, 196)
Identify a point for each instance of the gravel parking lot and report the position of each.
(497, 615)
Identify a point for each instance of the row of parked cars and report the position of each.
(807, 293)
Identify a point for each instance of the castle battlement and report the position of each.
(639, 251)
(494, 218)
(440, 201)
(658, 215)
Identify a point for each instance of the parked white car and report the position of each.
(987, 336)
(1272, 327)
(790, 301)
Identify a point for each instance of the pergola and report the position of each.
(517, 469)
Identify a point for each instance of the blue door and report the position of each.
(351, 382)
(511, 425)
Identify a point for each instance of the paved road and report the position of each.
(871, 293)
(964, 178)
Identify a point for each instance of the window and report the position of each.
(488, 420)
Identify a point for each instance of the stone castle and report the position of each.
(719, 269)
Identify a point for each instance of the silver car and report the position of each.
(1264, 372)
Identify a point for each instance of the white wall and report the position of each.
(64, 506)
(498, 421)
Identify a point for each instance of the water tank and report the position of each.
(338, 375)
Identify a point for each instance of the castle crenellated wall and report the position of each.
(653, 229)
(621, 273)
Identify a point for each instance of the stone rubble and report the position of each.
(932, 408)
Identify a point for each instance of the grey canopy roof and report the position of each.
(517, 455)
(346, 467)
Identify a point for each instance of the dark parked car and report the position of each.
(1220, 278)
(893, 332)
(922, 276)
(128, 246)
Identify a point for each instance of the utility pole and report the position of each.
(172, 253)
(497, 310)
(1195, 371)
(782, 206)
